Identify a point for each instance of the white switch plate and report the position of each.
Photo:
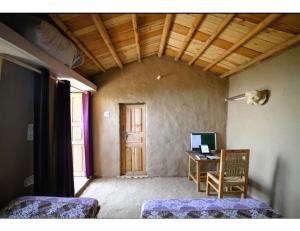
(28, 181)
(30, 132)
(106, 114)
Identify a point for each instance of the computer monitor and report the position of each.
(202, 138)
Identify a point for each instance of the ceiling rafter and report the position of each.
(188, 38)
(136, 36)
(165, 33)
(106, 38)
(258, 28)
(71, 36)
(269, 53)
(212, 38)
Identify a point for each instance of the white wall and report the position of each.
(271, 131)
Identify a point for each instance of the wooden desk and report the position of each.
(192, 155)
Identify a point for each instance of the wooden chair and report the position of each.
(232, 177)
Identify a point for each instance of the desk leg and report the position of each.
(198, 176)
(190, 169)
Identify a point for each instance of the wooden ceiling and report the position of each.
(221, 43)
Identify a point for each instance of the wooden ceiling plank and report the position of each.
(197, 20)
(200, 37)
(71, 36)
(289, 23)
(136, 36)
(209, 41)
(106, 38)
(200, 62)
(84, 31)
(258, 28)
(165, 33)
(271, 52)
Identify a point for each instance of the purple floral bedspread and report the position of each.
(207, 208)
(50, 207)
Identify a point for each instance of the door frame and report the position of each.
(145, 135)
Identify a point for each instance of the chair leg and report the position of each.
(220, 190)
(220, 194)
(244, 193)
(207, 186)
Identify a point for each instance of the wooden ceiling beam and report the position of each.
(258, 28)
(188, 38)
(269, 53)
(105, 36)
(212, 38)
(71, 36)
(136, 36)
(165, 34)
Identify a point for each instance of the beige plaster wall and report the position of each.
(185, 100)
(272, 131)
(16, 111)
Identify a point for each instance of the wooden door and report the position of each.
(132, 133)
(77, 134)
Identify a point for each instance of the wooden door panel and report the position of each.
(77, 134)
(128, 157)
(128, 119)
(138, 120)
(134, 138)
(77, 108)
(134, 119)
(138, 154)
(78, 160)
(132, 133)
(134, 159)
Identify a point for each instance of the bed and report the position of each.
(207, 208)
(50, 207)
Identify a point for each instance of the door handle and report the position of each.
(126, 136)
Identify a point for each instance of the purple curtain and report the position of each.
(88, 145)
(41, 135)
(65, 180)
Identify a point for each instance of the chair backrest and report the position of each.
(234, 162)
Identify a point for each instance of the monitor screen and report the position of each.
(203, 138)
